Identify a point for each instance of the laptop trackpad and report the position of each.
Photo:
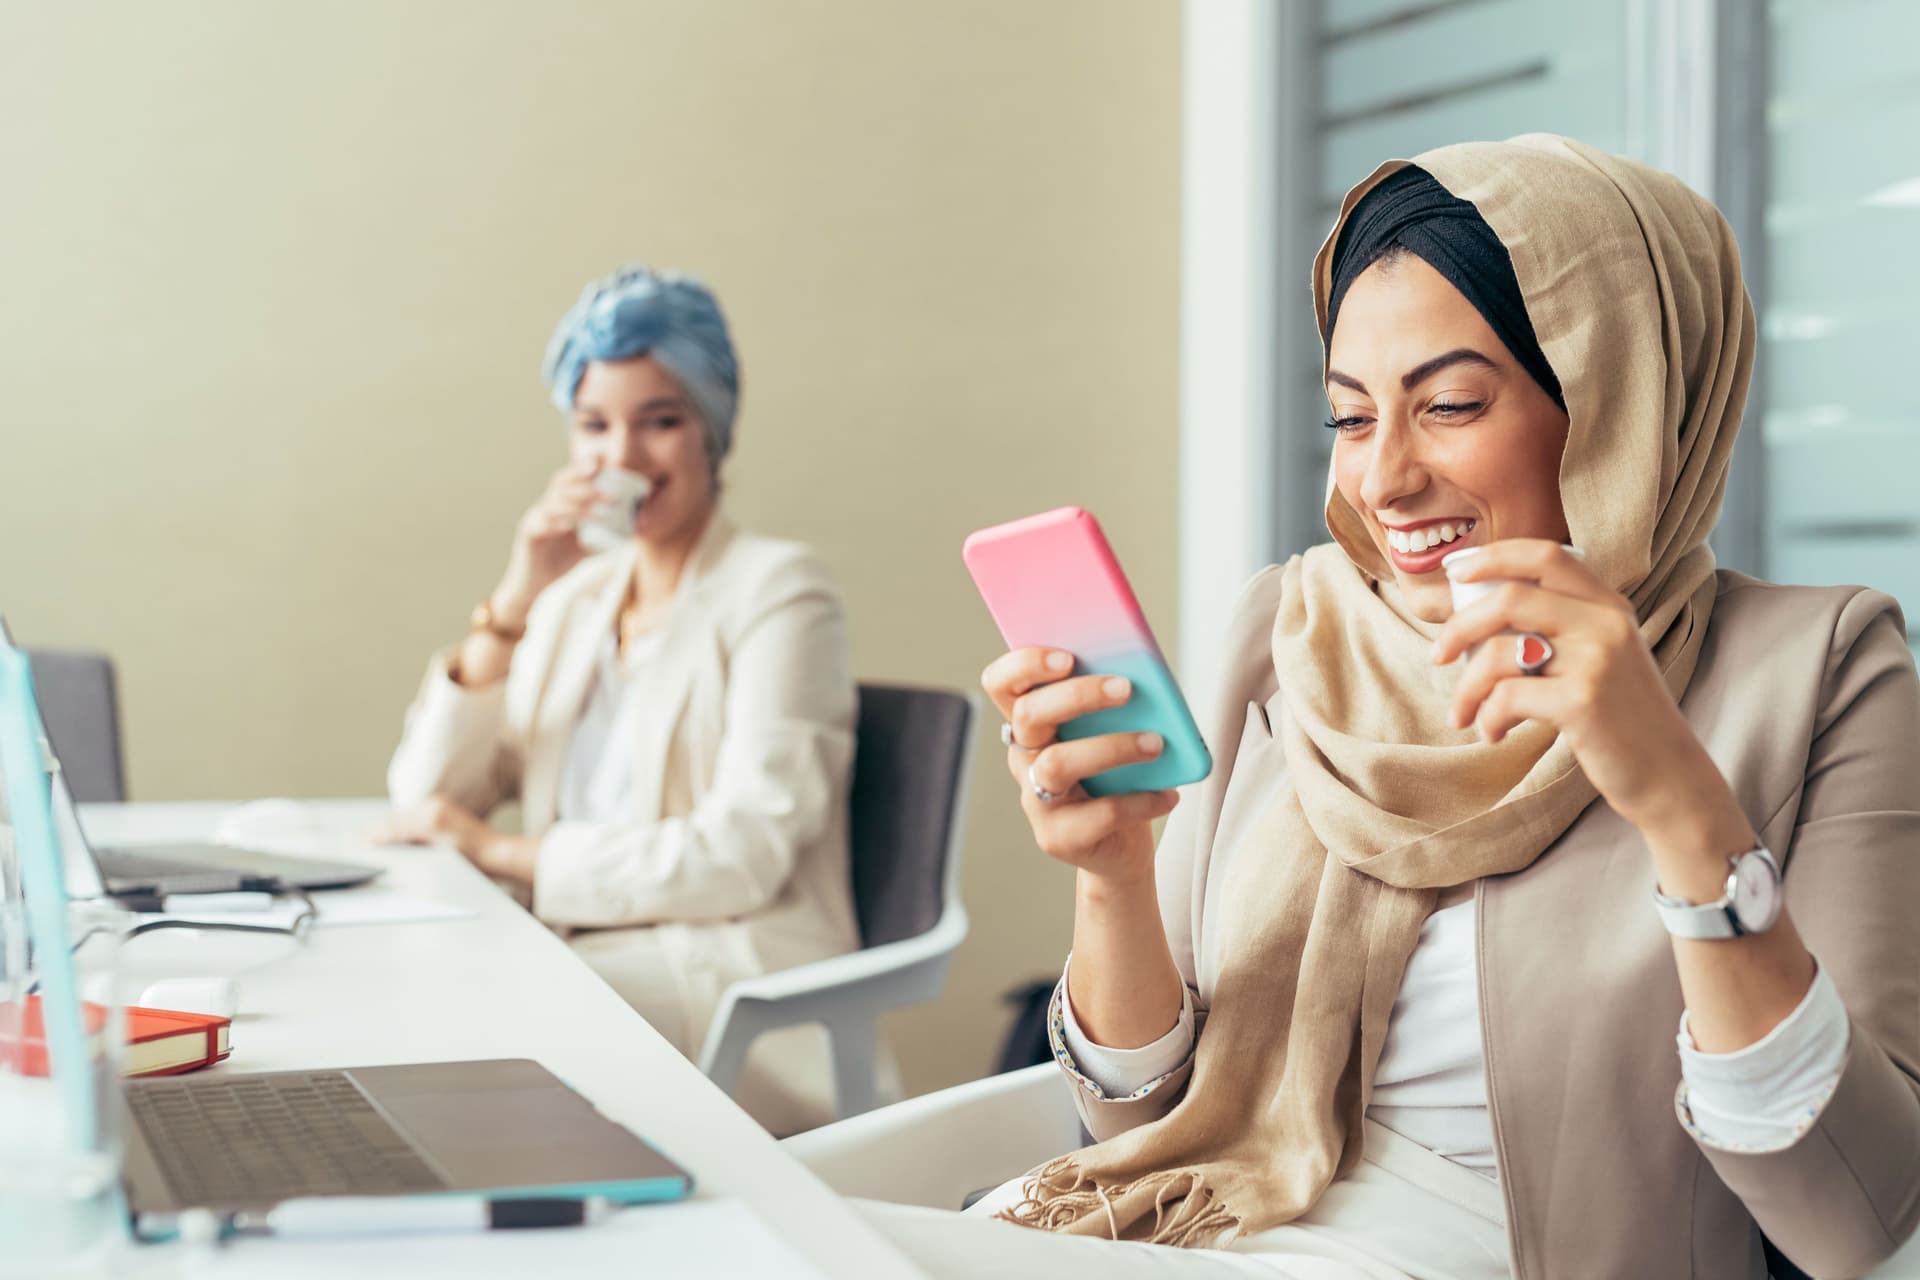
(507, 1124)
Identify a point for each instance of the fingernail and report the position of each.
(1149, 743)
(1116, 688)
(1059, 661)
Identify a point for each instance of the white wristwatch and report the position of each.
(1751, 903)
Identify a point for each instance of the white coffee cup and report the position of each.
(1466, 593)
(1469, 593)
(610, 523)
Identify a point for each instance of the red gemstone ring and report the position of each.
(1531, 652)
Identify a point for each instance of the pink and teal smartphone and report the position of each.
(1051, 581)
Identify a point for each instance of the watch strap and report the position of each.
(1712, 920)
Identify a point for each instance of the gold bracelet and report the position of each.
(483, 619)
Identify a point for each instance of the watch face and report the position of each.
(1756, 893)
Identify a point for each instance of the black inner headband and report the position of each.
(1410, 210)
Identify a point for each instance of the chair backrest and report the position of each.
(81, 707)
(909, 767)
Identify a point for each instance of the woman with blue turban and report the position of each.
(667, 697)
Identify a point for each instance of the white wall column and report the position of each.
(1232, 132)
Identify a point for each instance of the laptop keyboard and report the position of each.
(230, 1143)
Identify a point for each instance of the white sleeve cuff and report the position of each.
(450, 741)
(447, 697)
(448, 713)
(1117, 1073)
(1765, 1096)
(565, 877)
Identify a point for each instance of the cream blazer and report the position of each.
(735, 861)
(1807, 700)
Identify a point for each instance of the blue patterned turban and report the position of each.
(671, 317)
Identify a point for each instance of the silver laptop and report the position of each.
(238, 1144)
(507, 1130)
(141, 876)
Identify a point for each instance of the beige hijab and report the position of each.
(1633, 286)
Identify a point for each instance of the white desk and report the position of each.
(498, 984)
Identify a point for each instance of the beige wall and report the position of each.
(275, 281)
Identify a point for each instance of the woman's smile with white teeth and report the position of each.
(1417, 540)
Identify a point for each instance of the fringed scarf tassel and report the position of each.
(1187, 1213)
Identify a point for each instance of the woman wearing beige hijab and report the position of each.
(1398, 992)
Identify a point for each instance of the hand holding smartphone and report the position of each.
(1051, 581)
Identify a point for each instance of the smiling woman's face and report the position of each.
(1444, 440)
(632, 414)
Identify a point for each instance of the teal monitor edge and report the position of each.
(42, 882)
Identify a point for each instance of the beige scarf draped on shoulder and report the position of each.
(1633, 286)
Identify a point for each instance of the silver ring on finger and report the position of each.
(1040, 793)
(1531, 653)
(1006, 734)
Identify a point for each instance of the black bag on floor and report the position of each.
(1026, 1042)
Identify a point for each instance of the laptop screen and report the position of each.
(76, 855)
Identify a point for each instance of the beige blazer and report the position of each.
(1808, 701)
(735, 861)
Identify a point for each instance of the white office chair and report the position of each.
(911, 765)
(938, 1149)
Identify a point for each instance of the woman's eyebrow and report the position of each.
(1420, 372)
(1427, 368)
(659, 404)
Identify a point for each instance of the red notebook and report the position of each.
(160, 1042)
